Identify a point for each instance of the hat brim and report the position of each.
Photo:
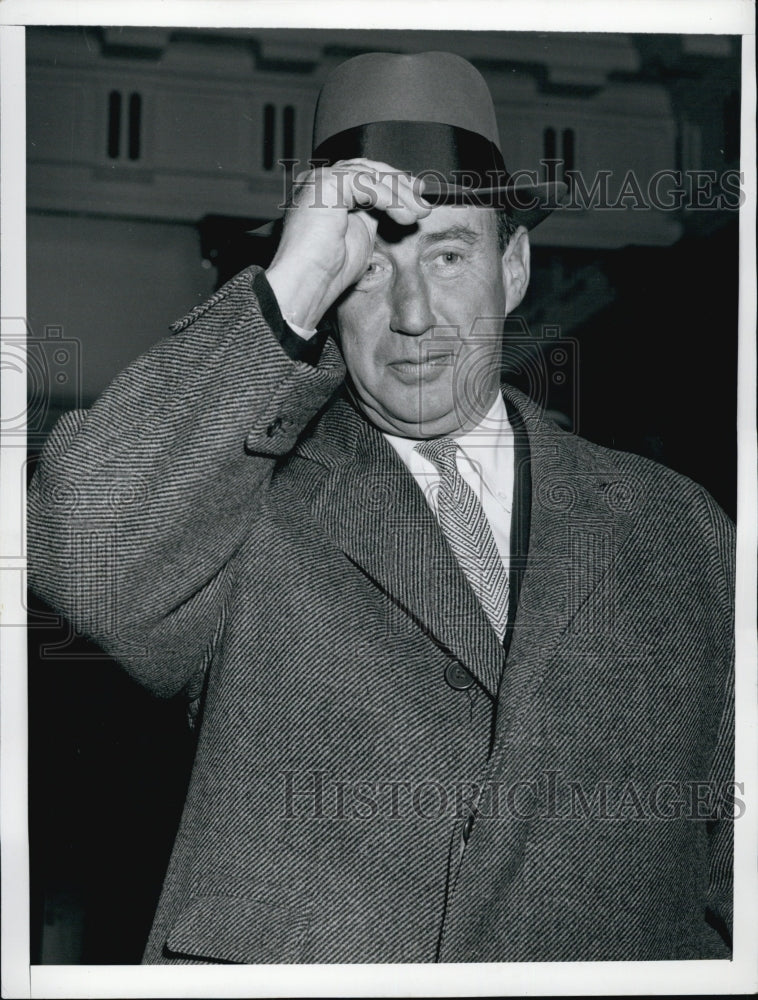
(527, 204)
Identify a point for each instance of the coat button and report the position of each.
(273, 427)
(468, 826)
(458, 677)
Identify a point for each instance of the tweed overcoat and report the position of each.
(226, 525)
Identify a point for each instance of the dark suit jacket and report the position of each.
(225, 524)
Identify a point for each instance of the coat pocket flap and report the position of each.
(240, 929)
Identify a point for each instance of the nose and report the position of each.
(410, 308)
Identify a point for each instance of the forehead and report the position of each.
(469, 223)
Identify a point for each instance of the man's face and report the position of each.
(421, 331)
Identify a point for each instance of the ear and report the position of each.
(516, 268)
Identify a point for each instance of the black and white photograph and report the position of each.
(379, 530)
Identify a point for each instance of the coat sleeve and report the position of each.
(137, 506)
(721, 571)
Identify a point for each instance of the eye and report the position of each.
(448, 258)
(374, 271)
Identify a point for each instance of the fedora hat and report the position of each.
(431, 115)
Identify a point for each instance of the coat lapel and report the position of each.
(373, 510)
(577, 525)
(566, 533)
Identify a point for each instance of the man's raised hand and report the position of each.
(329, 230)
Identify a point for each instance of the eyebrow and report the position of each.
(464, 233)
(459, 232)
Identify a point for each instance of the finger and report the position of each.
(406, 205)
(414, 185)
(359, 242)
(361, 183)
(387, 190)
(403, 207)
(383, 196)
(409, 190)
(371, 222)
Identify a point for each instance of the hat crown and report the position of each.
(423, 87)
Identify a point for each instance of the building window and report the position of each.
(269, 136)
(288, 131)
(548, 154)
(135, 125)
(567, 138)
(556, 162)
(114, 125)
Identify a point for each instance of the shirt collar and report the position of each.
(482, 443)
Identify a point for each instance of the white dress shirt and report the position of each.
(485, 460)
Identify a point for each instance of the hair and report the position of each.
(506, 227)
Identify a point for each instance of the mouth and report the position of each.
(415, 369)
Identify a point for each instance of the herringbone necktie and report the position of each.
(464, 523)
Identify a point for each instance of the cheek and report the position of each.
(476, 295)
(357, 346)
(485, 294)
(361, 324)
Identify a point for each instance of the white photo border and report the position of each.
(19, 979)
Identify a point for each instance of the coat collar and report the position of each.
(369, 504)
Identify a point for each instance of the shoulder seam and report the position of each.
(218, 296)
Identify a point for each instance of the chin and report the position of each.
(425, 423)
(418, 408)
(429, 426)
(411, 413)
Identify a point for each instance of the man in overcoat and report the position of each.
(461, 680)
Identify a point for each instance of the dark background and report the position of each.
(650, 314)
